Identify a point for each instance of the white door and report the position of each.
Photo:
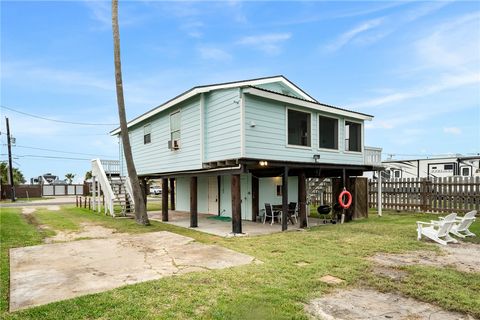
(212, 195)
(246, 195)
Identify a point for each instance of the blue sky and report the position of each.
(414, 65)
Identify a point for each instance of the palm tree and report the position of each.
(18, 177)
(69, 177)
(139, 197)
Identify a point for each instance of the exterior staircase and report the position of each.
(122, 198)
(112, 187)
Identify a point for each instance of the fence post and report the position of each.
(76, 201)
(423, 194)
(89, 203)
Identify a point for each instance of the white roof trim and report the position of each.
(202, 89)
(311, 105)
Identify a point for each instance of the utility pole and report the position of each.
(10, 168)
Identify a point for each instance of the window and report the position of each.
(298, 128)
(353, 136)
(328, 133)
(433, 168)
(466, 171)
(279, 190)
(147, 134)
(448, 167)
(175, 126)
(397, 174)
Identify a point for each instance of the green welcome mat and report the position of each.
(220, 218)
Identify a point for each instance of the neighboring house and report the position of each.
(433, 167)
(246, 135)
(47, 179)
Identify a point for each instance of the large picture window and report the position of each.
(328, 132)
(353, 136)
(299, 128)
(175, 125)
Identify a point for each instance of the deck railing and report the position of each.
(111, 166)
(373, 156)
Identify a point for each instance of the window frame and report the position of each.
(338, 133)
(286, 129)
(345, 136)
(179, 111)
(469, 171)
(149, 134)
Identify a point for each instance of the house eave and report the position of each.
(307, 104)
(202, 89)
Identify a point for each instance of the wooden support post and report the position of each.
(284, 198)
(165, 199)
(76, 201)
(302, 199)
(172, 193)
(236, 205)
(94, 193)
(379, 193)
(193, 203)
(89, 203)
(85, 202)
(255, 198)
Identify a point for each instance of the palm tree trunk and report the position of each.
(139, 197)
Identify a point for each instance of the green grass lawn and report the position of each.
(293, 263)
(26, 199)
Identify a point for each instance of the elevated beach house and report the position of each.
(230, 148)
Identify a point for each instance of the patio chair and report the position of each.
(461, 225)
(269, 213)
(293, 212)
(436, 230)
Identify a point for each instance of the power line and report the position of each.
(49, 157)
(60, 151)
(60, 121)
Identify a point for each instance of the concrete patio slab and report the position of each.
(52, 272)
(223, 228)
(370, 304)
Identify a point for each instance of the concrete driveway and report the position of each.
(52, 272)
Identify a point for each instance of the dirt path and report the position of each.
(463, 256)
(370, 304)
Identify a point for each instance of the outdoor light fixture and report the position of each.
(316, 157)
(263, 163)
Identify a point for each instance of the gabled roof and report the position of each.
(307, 103)
(206, 88)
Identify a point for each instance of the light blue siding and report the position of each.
(222, 125)
(280, 88)
(155, 157)
(225, 196)
(268, 138)
(183, 194)
(267, 191)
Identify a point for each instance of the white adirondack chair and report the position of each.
(437, 230)
(461, 225)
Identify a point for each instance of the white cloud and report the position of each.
(28, 73)
(452, 130)
(348, 36)
(268, 43)
(193, 28)
(447, 82)
(369, 32)
(101, 11)
(453, 44)
(212, 53)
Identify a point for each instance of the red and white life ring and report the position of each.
(349, 199)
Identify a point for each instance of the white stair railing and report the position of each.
(99, 173)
